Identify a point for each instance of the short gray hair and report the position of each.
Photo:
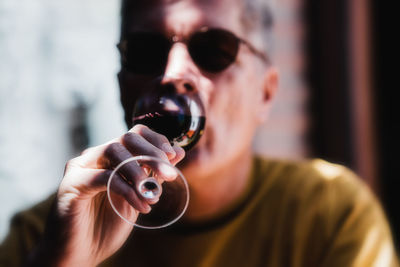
(256, 18)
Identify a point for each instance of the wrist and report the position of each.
(51, 250)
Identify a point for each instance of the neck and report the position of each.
(210, 195)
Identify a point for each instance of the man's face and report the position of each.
(232, 98)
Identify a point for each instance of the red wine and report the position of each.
(184, 130)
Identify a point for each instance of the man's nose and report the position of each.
(180, 71)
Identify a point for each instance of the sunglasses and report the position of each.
(212, 50)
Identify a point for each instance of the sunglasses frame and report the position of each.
(123, 44)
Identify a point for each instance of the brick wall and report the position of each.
(284, 134)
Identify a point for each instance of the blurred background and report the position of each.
(59, 93)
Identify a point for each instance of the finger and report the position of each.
(180, 154)
(99, 180)
(138, 145)
(156, 139)
(119, 186)
(89, 158)
(116, 153)
(159, 169)
(134, 172)
(130, 170)
(174, 153)
(94, 181)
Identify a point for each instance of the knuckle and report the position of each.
(163, 138)
(180, 153)
(160, 154)
(129, 138)
(139, 129)
(70, 164)
(85, 151)
(113, 148)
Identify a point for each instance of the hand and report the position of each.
(83, 227)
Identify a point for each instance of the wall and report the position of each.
(284, 134)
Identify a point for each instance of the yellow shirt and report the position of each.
(309, 213)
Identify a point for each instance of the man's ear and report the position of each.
(269, 89)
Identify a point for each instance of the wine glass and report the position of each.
(180, 117)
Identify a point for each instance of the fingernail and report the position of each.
(178, 147)
(168, 173)
(146, 209)
(167, 148)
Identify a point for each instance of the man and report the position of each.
(243, 211)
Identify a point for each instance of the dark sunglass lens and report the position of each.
(213, 50)
(146, 53)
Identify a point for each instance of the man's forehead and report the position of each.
(189, 13)
(154, 3)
